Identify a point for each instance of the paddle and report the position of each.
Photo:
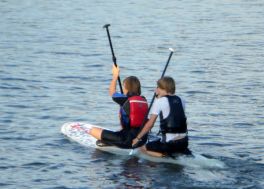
(153, 98)
(113, 54)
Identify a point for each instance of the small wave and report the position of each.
(10, 88)
(7, 167)
(34, 164)
(197, 92)
(214, 144)
(74, 77)
(20, 106)
(5, 184)
(19, 79)
(243, 125)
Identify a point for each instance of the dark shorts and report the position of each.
(121, 139)
(177, 146)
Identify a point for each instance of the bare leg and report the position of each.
(151, 153)
(96, 132)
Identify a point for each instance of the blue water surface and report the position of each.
(55, 67)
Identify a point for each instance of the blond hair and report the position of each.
(167, 83)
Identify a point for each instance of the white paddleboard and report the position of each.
(77, 131)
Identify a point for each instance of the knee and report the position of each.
(96, 132)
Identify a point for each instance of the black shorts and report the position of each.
(168, 147)
(121, 139)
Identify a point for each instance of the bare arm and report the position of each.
(146, 128)
(112, 87)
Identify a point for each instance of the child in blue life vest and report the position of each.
(133, 110)
(173, 126)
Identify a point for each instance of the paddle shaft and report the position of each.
(154, 95)
(113, 54)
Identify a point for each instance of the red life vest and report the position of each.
(138, 109)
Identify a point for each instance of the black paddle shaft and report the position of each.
(154, 95)
(113, 54)
(162, 75)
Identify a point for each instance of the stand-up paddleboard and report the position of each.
(77, 131)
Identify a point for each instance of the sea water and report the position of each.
(55, 67)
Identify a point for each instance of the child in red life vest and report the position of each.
(133, 109)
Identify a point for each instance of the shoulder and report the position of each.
(177, 97)
(159, 104)
(137, 97)
(118, 95)
(182, 101)
(119, 98)
(162, 100)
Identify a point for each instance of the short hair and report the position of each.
(167, 83)
(132, 84)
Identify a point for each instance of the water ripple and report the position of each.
(55, 67)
